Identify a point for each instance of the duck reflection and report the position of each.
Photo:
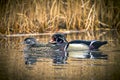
(88, 54)
(29, 59)
(60, 57)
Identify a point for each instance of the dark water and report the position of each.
(13, 67)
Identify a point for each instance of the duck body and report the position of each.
(32, 46)
(84, 45)
(77, 44)
(77, 47)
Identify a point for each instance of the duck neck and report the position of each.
(27, 48)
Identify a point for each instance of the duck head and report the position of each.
(58, 38)
(59, 42)
(30, 41)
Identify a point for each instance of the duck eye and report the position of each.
(28, 41)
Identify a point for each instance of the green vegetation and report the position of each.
(31, 16)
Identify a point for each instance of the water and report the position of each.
(13, 67)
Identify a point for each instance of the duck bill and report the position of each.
(52, 41)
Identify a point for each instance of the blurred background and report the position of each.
(39, 16)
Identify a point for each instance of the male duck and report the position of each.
(77, 44)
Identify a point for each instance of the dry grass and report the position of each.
(22, 16)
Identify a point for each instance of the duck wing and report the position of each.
(80, 42)
(93, 44)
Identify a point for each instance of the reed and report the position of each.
(36, 16)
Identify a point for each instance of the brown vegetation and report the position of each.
(23, 16)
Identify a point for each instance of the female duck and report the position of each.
(49, 49)
(55, 50)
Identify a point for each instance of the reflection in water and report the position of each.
(58, 57)
(92, 54)
(31, 58)
(13, 67)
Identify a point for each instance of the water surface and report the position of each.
(13, 67)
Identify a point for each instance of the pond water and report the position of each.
(13, 67)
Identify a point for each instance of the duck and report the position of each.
(77, 44)
(33, 47)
